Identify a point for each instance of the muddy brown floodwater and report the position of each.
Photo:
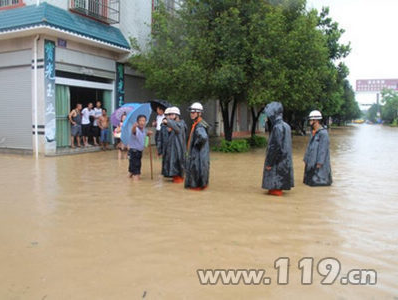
(76, 227)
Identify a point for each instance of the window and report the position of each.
(8, 4)
(103, 10)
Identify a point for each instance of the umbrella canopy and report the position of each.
(118, 113)
(158, 102)
(138, 109)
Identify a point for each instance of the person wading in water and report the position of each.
(317, 170)
(278, 166)
(198, 159)
(175, 148)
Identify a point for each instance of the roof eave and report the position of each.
(51, 30)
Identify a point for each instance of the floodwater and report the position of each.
(76, 227)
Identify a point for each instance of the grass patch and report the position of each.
(257, 141)
(236, 146)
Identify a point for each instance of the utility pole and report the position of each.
(378, 107)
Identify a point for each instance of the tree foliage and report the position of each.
(248, 51)
(389, 112)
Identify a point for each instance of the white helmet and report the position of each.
(196, 107)
(315, 115)
(167, 111)
(174, 110)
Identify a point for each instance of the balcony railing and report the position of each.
(6, 4)
(107, 11)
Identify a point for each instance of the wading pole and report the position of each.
(150, 157)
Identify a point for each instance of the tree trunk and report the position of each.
(255, 117)
(228, 118)
(228, 127)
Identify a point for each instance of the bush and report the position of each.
(236, 146)
(257, 141)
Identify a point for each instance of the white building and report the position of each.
(56, 53)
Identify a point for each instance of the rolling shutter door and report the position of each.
(16, 108)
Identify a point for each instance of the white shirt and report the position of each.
(97, 114)
(86, 113)
(159, 119)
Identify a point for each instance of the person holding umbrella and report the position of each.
(198, 159)
(136, 146)
(317, 158)
(175, 148)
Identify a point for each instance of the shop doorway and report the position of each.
(84, 96)
(69, 92)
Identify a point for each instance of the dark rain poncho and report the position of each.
(279, 152)
(198, 159)
(163, 139)
(173, 148)
(318, 153)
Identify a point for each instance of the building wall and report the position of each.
(135, 17)
(135, 90)
(82, 62)
(135, 20)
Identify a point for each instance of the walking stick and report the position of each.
(150, 157)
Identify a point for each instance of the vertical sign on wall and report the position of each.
(49, 93)
(119, 84)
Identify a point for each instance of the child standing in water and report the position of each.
(198, 160)
(175, 147)
(136, 146)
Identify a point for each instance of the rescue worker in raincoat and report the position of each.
(198, 151)
(175, 148)
(278, 166)
(317, 158)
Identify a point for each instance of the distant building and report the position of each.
(368, 91)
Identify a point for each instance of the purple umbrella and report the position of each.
(118, 113)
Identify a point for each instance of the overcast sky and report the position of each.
(372, 28)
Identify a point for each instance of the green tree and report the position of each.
(389, 111)
(302, 50)
(240, 51)
(199, 53)
(371, 114)
(350, 109)
(335, 86)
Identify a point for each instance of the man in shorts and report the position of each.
(75, 119)
(96, 130)
(86, 124)
(103, 124)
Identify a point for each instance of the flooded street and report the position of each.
(76, 227)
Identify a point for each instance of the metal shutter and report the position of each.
(16, 108)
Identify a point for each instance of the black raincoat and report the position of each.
(318, 153)
(163, 139)
(279, 151)
(198, 158)
(174, 148)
